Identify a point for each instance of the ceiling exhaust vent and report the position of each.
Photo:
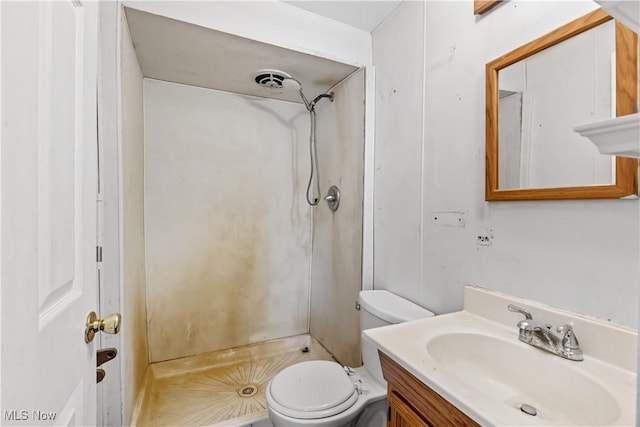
(272, 79)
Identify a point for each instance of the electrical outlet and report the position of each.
(485, 239)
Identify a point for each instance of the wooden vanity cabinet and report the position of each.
(413, 404)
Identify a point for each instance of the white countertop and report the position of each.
(606, 377)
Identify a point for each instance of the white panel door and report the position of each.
(48, 211)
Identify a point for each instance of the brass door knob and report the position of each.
(110, 325)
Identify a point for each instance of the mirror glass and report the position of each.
(582, 72)
(541, 98)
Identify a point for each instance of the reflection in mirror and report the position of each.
(582, 72)
(541, 98)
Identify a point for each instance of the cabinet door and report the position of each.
(428, 407)
(402, 415)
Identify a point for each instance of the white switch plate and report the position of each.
(449, 219)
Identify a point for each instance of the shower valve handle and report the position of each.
(333, 198)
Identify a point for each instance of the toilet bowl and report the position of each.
(322, 393)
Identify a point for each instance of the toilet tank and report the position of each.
(382, 308)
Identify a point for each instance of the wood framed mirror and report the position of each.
(482, 6)
(619, 75)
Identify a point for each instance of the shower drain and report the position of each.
(247, 390)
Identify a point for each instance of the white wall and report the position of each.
(135, 350)
(337, 236)
(122, 276)
(398, 150)
(578, 255)
(110, 388)
(227, 225)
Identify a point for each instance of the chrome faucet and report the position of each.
(541, 336)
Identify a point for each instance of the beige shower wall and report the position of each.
(337, 237)
(227, 226)
(135, 351)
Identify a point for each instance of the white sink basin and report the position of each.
(514, 373)
(474, 359)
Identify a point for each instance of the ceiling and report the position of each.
(366, 15)
(181, 52)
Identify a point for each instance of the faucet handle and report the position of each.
(569, 339)
(516, 309)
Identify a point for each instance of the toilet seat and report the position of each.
(312, 389)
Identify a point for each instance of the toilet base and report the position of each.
(374, 415)
(280, 420)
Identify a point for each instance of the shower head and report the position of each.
(276, 79)
(291, 84)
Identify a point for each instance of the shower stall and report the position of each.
(228, 262)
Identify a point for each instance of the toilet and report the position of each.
(323, 393)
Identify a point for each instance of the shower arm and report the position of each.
(311, 105)
(322, 95)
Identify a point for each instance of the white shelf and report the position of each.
(625, 11)
(619, 136)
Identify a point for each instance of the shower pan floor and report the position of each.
(223, 387)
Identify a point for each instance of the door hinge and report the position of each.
(99, 256)
(388, 414)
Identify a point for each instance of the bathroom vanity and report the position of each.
(485, 365)
(414, 404)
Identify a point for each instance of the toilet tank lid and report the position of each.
(391, 307)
